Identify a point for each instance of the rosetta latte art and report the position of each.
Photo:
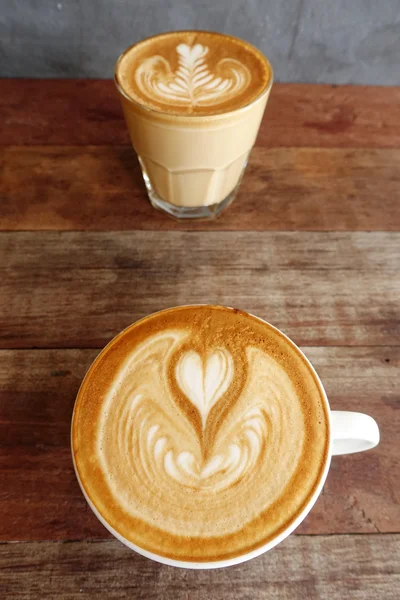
(193, 83)
(162, 467)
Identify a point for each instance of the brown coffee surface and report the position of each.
(193, 73)
(200, 433)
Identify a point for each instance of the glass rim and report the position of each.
(202, 117)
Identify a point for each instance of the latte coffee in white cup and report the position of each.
(202, 436)
(193, 102)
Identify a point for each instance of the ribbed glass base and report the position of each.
(188, 212)
(197, 212)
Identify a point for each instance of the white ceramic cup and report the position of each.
(350, 432)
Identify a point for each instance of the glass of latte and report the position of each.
(193, 102)
(202, 436)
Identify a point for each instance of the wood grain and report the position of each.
(80, 289)
(101, 188)
(326, 161)
(322, 568)
(41, 500)
(71, 112)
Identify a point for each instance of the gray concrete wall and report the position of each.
(334, 41)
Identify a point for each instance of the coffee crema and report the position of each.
(193, 73)
(200, 433)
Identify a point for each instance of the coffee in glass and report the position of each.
(193, 102)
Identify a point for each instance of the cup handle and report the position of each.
(352, 432)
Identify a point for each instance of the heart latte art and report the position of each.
(160, 440)
(200, 433)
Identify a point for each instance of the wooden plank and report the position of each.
(80, 289)
(317, 568)
(88, 112)
(41, 500)
(101, 188)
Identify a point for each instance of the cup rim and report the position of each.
(242, 557)
(198, 118)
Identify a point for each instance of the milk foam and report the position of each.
(193, 83)
(152, 449)
(193, 73)
(204, 384)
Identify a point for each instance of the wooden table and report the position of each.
(311, 244)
